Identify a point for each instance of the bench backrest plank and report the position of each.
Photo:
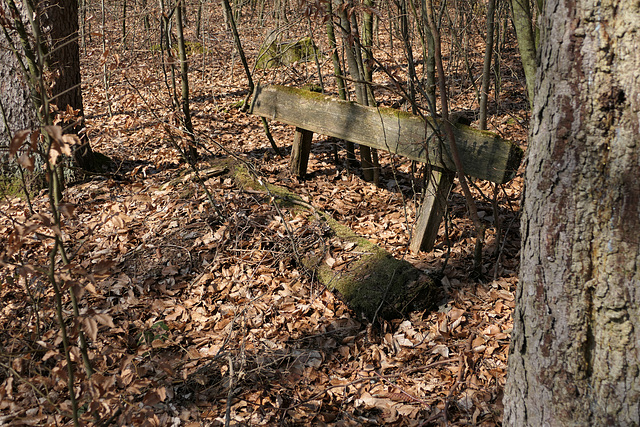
(484, 155)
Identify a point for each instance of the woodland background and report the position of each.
(197, 313)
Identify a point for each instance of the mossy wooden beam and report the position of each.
(373, 283)
(484, 155)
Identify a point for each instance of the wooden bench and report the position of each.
(484, 155)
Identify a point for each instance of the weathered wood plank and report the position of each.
(484, 155)
(300, 151)
(432, 209)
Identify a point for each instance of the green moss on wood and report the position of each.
(376, 283)
(484, 154)
(312, 87)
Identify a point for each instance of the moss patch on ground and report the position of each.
(275, 54)
(11, 186)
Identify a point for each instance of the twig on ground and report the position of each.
(459, 377)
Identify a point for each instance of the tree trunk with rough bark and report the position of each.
(60, 19)
(575, 352)
(59, 22)
(16, 109)
(15, 105)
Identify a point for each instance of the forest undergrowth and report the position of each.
(200, 314)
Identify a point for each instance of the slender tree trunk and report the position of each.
(367, 73)
(337, 72)
(316, 54)
(367, 43)
(500, 23)
(184, 77)
(145, 17)
(124, 23)
(430, 65)
(166, 49)
(575, 350)
(390, 21)
(406, 40)
(349, 37)
(245, 65)
(428, 83)
(238, 43)
(448, 131)
(199, 19)
(82, 10)
(261, 12)
(105, 69)
(486, 69)
(523, 22)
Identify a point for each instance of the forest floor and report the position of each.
(200, 315)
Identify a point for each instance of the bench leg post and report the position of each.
(367, 163)
(431, 211)
(300, 152)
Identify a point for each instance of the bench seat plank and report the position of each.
(484, 155)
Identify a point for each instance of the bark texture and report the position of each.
(59, 32)
(575, 352)
(14, 98)
(60, 19)
(60, 22)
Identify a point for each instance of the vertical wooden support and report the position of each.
(300, 152)
(432, 210)
(367, 163)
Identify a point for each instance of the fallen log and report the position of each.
(373, 283)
